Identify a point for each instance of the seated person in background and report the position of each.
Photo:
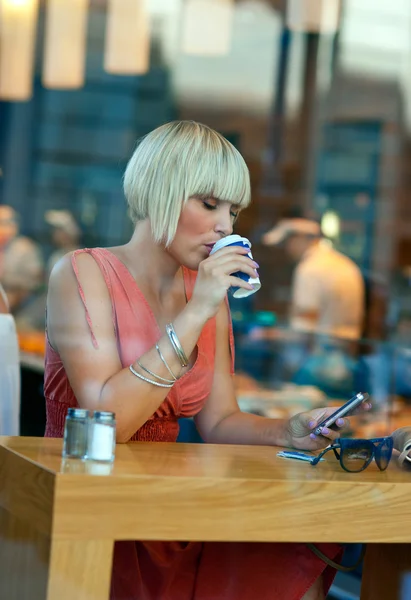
(21, 264)
(65, 235)
(143, 330)
(4, 305)
(9, 371)
(327, 294)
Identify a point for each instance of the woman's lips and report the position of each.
(209, 247)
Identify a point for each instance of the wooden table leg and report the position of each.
(24, 554)
(34, 567)
(80, 569)
(385, 566)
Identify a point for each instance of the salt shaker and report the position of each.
(76, 433)
(102, 437)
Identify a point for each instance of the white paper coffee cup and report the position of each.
(237, 240)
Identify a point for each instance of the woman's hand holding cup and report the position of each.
(215, 277)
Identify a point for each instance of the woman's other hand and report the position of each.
(300, 428)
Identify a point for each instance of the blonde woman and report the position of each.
(144, 330)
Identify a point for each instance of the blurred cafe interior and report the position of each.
(315, 94)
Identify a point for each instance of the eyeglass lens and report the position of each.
(383, 455)
(356, 459)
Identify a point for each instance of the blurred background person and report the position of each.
(21, 263)
(65, 235)
(4, 308)
(9, 371)
(327, 295)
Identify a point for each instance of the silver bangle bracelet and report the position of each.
(163, 385)
(153, 374)
(175, 342)
(165, 362)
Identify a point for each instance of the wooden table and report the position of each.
(59, 519)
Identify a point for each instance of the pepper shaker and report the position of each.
(76, 433)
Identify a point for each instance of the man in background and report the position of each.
(21, 264)
(327, 289)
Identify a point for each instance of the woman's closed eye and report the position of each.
(210, 206)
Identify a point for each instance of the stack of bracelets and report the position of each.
(181, 355)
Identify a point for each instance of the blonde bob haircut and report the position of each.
(178, 161)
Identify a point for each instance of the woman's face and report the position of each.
(202, 223)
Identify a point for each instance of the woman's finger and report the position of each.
(230, 269)
(330, 434)
(237, 282)
(231, 264)
(362, 407)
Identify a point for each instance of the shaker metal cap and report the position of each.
(104, 415)
(78, 413)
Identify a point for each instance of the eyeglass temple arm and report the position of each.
(317, 458)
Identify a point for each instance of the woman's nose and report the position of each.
(225, 224)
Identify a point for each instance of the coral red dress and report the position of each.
(180, 570)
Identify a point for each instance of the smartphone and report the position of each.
(345, 409)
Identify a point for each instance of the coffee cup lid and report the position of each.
(227, 241)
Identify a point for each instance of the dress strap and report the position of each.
(94, 252)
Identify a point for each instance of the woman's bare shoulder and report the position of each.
(65, 269)
(78, 275)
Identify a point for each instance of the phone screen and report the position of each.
(343, 410)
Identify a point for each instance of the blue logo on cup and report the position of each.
(237, 240)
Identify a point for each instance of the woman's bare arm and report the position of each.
(94, 370)
(96, 374)
(221, 421)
